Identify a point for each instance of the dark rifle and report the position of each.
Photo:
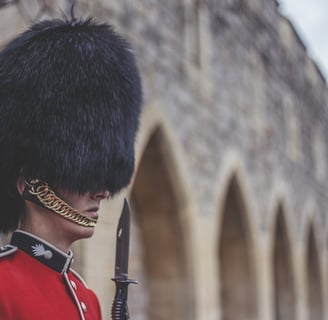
(120, 304)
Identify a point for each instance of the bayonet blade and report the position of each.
(120, 303)
(122, 243)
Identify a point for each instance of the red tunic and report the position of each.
(38, 284)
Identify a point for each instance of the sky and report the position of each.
(310, 19)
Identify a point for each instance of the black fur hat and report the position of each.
(70, 99)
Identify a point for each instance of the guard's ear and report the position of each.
(20, 185)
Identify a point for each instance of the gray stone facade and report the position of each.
(229, 194)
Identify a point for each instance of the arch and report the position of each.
(283, 275)
(313, 276)
(236, 261)
(160, 241)
(310, 219)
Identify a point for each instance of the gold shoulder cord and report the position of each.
(51, 201)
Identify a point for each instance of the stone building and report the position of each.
(229, 196)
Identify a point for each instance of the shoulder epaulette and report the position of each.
(7, 250)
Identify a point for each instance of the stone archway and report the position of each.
(159, 252)
(314, 281)
(284, 289)
(236, 262)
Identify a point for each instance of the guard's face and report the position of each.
(87, 204)
(56, 229)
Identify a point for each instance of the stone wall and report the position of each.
(229, 194)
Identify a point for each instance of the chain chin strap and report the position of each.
(51, 201)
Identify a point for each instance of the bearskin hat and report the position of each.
(70, 99)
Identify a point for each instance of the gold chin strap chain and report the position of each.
(52, 202)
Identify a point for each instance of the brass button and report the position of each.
(84, 307)
(73, 284)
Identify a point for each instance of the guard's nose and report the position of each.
(100, 195)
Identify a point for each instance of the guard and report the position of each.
(70, 100)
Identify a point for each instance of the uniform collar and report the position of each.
(42, 251)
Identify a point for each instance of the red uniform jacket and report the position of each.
(36, 283)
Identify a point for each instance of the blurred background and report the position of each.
(229, 196)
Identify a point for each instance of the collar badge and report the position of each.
(38, 250)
